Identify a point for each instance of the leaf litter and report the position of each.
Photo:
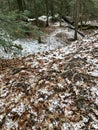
(52, 90)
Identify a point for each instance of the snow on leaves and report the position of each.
(54, 90)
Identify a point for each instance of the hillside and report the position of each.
(51, 90)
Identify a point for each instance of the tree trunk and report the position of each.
(9, 4)
(20, 5)
(52, 9)
(77, 5)
(61, 3)
(36, 11)
(47, 12)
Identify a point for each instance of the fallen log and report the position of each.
(68, 20)
(71, 26)
(88, 26)
(79, 32)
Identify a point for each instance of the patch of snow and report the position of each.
(19, 110)
(96, 45)
(73, 126)
(31, 20)
(1, 117)
(94, 90)
(33, 128)
(85, 119)
(32, 46)
(66, 126)
(78, 125)
(56, 24)
(4, 93)
(11, 124)
(55, 67)
(95, 126)
(96, 101)
(67, 113)
(94, 73)
(45, 91)
(18, 97)
(56, 15)
(43, 18)
(90, 60)
(93, 117)
(53, 104)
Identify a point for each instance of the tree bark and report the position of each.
(36, 11)
(61, 3)
(47, 12)
(77, 5)
(71, 26)
(9, 4)
(52, 9)
(20, 5)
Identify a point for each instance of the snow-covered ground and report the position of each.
(52, 89)
(51, 42)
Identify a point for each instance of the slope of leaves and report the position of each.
(52, 90)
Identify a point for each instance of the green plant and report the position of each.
(13, 26)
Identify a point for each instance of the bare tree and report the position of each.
(77, 6)
(47, 12)
(52, 9)
(21, 4)
(35, 11)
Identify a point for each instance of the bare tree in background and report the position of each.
(77, 10)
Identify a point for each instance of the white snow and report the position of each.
(43, 18)
(19, 110)
(96, 45)
(31, 46)
(11, 124)
(94, 73)
(31, 20)
(58, 100)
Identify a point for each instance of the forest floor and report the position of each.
(55, 89)
(54, 37)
